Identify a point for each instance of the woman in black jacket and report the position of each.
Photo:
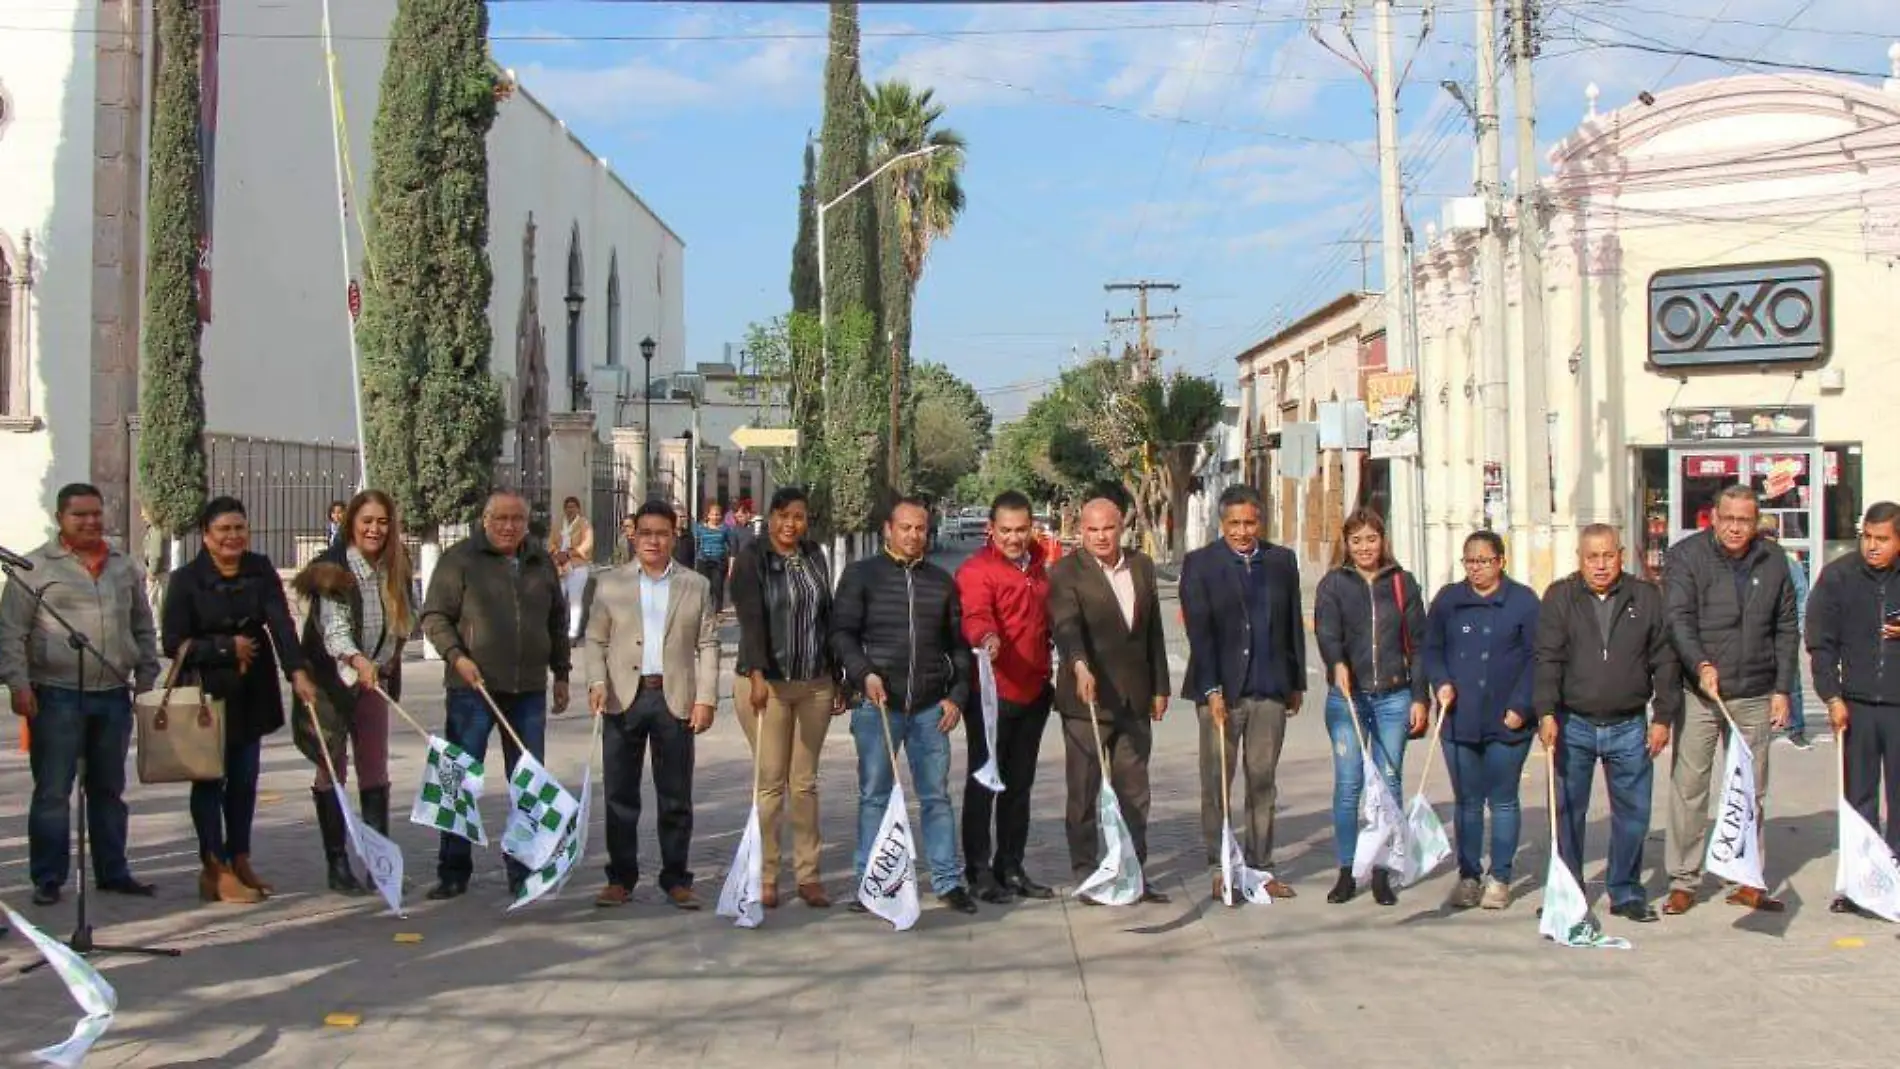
(226, 621)
(781, 590)
(1369, 621)
(360, 616)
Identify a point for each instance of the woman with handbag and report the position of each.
(360, 616)
(225, 621)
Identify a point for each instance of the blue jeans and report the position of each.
(1628, 771)
(915, 734)
(223, 809)
(1485, 775)
(71, 725)
(1386, 720)
(469, 725)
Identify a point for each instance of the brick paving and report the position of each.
(1040, 984)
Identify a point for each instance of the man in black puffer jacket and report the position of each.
(897, 630)
(1732, 616)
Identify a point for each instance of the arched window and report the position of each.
(16, 281)
(613, 309)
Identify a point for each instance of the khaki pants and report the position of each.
(1691, 762)
(787, 740)
(1260, 723)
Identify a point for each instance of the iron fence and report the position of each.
(286, 487)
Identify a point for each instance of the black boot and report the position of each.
(1382, 891)
(376, 808)
(335, 845)
(1344, 889)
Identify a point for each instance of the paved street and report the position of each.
(1042, 984)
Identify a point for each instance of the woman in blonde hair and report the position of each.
(360, 616)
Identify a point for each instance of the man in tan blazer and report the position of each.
(661, 691)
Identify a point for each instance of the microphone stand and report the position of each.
(81, 941)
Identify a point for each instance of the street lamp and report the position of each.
(824, 295)
(646, 357)
(576, 382)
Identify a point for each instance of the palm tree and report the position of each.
(919, 201)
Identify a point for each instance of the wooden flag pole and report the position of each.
(1431, 748)
(1550, 789)
(503, 720)
(404, 713)
(1226, 818)
(1358, 729)
(1101, 749)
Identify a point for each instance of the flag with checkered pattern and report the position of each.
(451, 792)
(539, 810)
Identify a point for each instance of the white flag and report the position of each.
(1235, 875)
(1566, 916)
(1735, 845)
(95, 997)
(1426, 840)
(1384, 839)
(540, 810)
(1117, 881)
(569, 847)
(742, 896)
(988, 776)
(1867, 872)
(450, 795)
(889, 886)
(381, 857)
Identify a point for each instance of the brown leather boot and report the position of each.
(217, 883)
(241, 867)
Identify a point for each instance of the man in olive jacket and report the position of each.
(496, 614)
(1732, 618)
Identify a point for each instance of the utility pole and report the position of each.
(1494, 380)
(1365, 259)
(1145, 347)
(1531, 479)
(1407, 538)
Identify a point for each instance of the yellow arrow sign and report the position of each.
(766, 437)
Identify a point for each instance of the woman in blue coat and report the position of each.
(1480, 639)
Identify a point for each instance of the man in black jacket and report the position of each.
(1732, 617)
(1853, 613)
(1246, 670)
(1603, 653)
(897, 631)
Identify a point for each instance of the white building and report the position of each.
(575, 254)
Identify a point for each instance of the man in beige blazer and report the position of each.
(661, 692)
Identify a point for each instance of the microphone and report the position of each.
(14, 561)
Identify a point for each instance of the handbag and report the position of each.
(180, 731)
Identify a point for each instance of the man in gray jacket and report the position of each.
(101, 592)
(1732, 618)
(496, 614)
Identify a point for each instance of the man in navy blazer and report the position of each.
(1246, 669)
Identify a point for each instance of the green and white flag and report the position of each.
(539, 811)
(84, 983)
(571, 846)
(1566, 916)
(1117, 881)
(1427, 844)
(451, 792)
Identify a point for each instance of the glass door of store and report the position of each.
(1786, 481)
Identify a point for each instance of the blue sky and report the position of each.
(1211, 144)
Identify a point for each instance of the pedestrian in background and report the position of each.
(711, 542)
(1853, 626)
(1480, 658)
(227, 622)
(1246, 672)
(1369, 619)
(1797, 730)
(572, 549)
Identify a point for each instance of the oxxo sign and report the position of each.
(1748, 314)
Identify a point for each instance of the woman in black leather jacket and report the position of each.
(785, 690)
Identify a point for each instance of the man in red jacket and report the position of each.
(1004, 588)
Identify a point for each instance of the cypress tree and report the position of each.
(850, 271)
(433, 412)
(171, 392)
(805, 249)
